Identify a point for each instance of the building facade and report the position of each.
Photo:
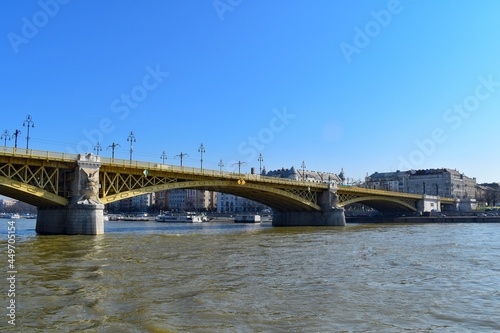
(444, 182)
(191, 200)
(488, 194)
(140, 203)
(305, 175)
(228, 203)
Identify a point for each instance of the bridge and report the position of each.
(70, 190)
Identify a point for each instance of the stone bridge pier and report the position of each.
(330, 214)
(84, 213)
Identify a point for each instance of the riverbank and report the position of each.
(425, 219)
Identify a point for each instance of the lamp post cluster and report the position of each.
(28, 122)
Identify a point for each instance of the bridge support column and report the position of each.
(84, 214)
(71, 220)
(330, 214)
(333, 217)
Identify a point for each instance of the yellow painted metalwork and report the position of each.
(30, 194)
(410, 204)
(42, 177)
(367, 191)
(272, 196)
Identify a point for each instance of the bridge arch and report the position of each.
(273, 197)
(30, 194)
(383, 204)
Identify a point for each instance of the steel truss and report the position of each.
(116, 185)
(307, 195)
(348, 198)
(42, 177)
(113, 183)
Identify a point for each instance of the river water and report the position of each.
(226, 277)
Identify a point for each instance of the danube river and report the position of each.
(226, 277)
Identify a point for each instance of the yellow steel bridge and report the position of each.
(44, 179)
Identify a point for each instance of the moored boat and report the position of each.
(180, 218)
(247, 218)
(10, 216)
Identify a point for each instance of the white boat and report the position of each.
(10, 216)
(180, 218)
(247, 218)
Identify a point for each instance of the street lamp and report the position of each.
(5, 136)
(303, 166)
(239, 166)
(15, 135)
(221, 165)
(131, 138)
(163, 157)
(260, 159)
(201, 150)
(181, 155)
(98, 148)
(28, 122)
(113, 146)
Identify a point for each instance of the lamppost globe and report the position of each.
(5, 136)
(28, 122)
(98, 148)
(260, 159)
(131, 138)
(201, 150)
(163, 156)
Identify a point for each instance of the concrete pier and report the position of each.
(76, 219)
(333, 217)
(330, 214)
(84, 214)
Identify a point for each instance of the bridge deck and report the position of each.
(128, 178)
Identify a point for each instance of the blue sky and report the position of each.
(364, 86)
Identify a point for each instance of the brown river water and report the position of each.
(226, 277)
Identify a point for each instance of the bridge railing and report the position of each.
(204, 172)
(37, 154)
(66, 157)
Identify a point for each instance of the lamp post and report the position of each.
(98, 148)
(303, 166)
(5, 136)
(221, 165)
(163, 157)
(260, 159)
(181, 155)
(15, 135)
(239, 166)
(113, 146)
(131, 138)
(201, 150)
(28, 122)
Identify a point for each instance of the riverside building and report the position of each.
(443, 182)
